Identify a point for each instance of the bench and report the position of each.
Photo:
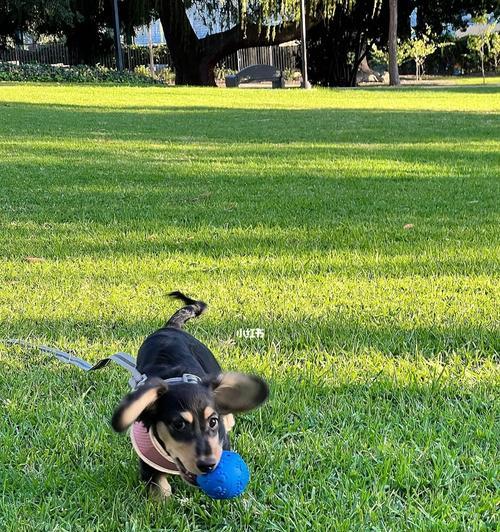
(257, 73)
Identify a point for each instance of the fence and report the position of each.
(59, 53)
(45, 54)
(283, 57)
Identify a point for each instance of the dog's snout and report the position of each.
(206, 465)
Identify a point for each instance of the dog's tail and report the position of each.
(192, 309)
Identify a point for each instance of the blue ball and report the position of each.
(229, 479)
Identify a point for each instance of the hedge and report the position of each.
(75, 74)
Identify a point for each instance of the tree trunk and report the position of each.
(393, 43)
(194, 69)
(18, 38)
(481, 53)
(338, 44)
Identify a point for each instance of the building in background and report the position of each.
(476, 29)
(141, 37)
(200, 27)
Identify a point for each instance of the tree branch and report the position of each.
(252, 34)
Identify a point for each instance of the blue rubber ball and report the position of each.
(229, 479)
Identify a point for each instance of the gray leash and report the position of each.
(122, 359)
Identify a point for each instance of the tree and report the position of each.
(494, 49)
(381, 55)
(392, 44)
(241, 24)
(85, 24)
(436, 14)
(88, 31)
(343, 37)
(418, 48)
(16, 18)
(480, 43)
(80, 21)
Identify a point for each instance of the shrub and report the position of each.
(292, 74)
(75, 74)
(164, 75)
(221, 71)
(143, 71)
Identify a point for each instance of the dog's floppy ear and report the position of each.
(238, 392)
(134, 404)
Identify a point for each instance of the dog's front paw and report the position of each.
(160, 488)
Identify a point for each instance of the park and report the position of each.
(345, 241)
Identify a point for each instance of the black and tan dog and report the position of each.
(190, 420)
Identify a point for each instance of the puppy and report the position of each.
(186, 404)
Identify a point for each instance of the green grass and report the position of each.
(471, 80)
(475, 79)
(284, 210)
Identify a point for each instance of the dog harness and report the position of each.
(145, 444)
(149, 450)
(144, 441)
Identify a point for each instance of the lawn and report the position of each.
(470, 80)
(453, 80)
(358, 228)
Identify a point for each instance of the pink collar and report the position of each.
(149, 449)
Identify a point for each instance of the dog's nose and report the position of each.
(207, 465)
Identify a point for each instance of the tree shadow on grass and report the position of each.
(148, 196)
(324, 161)
(234, 167)
(190, 124)
(223, 167)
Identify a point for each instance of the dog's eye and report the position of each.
(213, 422)
(179, 424)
